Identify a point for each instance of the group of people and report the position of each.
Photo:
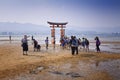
(75, 43)
(72, 43)
(66, 43)
(37, 46)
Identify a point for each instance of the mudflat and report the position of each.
(56, 63)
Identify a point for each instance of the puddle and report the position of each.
(37, 70)
(70, 70)
(112, 67)
(113, 48)
(74, 75)
(56, 72)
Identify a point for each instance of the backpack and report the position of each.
(73, 43)
(87, 42)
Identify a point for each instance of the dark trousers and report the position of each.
(97, 48)
(46, 46)
(76, 48)
(73, 49)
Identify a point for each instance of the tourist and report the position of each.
(62, 42)
(32, 38)
(25, 44)
(83, 43)
(10, 37)
(53, 42)
(66, 43)
(97, 44)
(46, 42)
(80, 42)
(74, 45)
(35, 44)
(87, 44)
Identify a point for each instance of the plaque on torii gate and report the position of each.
(54, 25)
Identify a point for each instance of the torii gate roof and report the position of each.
(56, 23)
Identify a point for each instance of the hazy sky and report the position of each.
(86, 14)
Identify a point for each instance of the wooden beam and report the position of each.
(56, 23)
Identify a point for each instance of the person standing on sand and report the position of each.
(46, 42)
(83, 43)
(25, 44)
(10, 37)
(97, 44)
(80, 43)
(87, 44)
(62, 42)
(74, 45)
(53, 42)
(32, 38)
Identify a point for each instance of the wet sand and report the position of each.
(57, 64)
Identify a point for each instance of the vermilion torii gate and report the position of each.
(54, 25)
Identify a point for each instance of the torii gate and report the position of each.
(54, 25)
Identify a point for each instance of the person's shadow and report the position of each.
(97, 63)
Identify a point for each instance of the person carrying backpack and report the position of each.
(74, 45)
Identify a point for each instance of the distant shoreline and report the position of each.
(106, 46)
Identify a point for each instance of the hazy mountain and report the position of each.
(92, 30)
(19, 27)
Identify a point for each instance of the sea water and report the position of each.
(113, 44)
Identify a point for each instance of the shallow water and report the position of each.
(71, 70)
(109, 47)
(113, 48)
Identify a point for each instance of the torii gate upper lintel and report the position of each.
(54, 25)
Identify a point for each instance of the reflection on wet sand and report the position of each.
(79, 70)
(97, 63)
